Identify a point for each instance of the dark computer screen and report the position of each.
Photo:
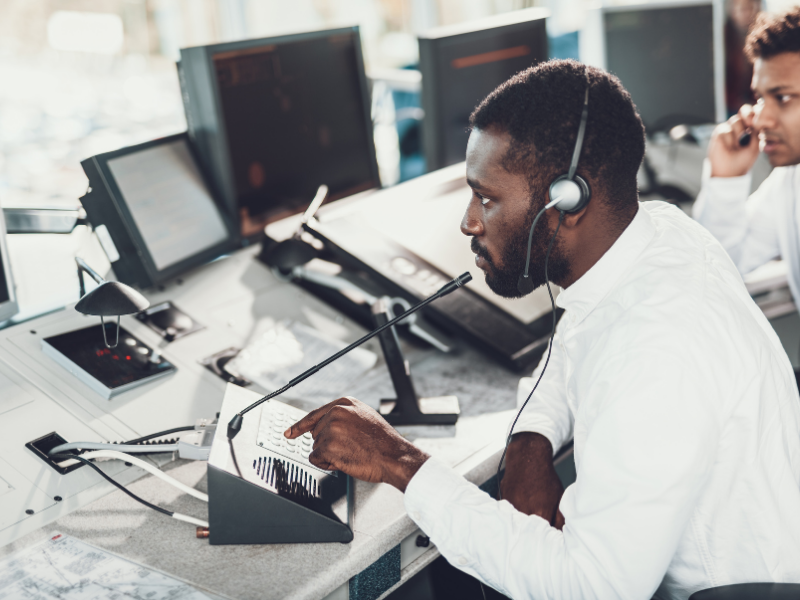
(665, 59)
(8, 300)
(4, 296)
(296, 116)
(154, 212)
(460, 67)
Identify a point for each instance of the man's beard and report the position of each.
(503, 281)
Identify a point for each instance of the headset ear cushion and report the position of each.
(574, 193)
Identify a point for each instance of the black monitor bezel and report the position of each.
(434, 95)
(155, 275)
(717, 41)
(212, 50)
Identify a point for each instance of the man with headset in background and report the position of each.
(681, 400)
(767, 226)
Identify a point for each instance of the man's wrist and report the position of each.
(399, 471)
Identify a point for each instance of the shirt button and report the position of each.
(462, 560)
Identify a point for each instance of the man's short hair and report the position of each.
(540, 108)
(771, 35)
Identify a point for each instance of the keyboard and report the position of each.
(276, 417)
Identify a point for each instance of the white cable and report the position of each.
(129, 448)
(152, 470)
(188, 519)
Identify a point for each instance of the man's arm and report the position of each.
(746, 229)
(531, 483)
(646, 457)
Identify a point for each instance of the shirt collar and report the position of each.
(585, 294)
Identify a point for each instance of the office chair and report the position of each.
(750, 591)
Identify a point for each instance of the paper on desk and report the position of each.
(68, 569)
(281, 351)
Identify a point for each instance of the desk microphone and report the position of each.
(236, 422)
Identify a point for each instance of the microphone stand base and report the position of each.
(441, 410)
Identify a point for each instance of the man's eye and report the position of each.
(484, 200)
(784, 98)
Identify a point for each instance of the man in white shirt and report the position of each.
(677, 392)
(765, 227)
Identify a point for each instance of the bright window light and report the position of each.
(73, 31)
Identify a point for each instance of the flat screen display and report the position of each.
(4, 295)
(169, 202)
(458, 72)
(665, 59)
(295, 118)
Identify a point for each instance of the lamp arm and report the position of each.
(83, 267)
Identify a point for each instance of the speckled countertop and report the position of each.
(303, 571)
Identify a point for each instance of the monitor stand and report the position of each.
(408, 408)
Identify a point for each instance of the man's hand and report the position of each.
(351, 437)
(531, 483)
(727, 157)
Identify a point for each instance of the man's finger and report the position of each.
(309, 422)
(746, 114)
(737, 126)
(316, 458)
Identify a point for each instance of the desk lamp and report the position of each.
(109, 298)
(293, 252)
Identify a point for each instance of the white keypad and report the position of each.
(277, 417)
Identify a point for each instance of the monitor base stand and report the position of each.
(440, 410)
(408, 408)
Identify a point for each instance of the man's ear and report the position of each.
(573, 220)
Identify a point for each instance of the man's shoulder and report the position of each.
(678, 270)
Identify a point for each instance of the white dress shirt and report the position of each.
(686, 421)
(759, 230)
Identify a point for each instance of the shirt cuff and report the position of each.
(429, 491)
(729, 188)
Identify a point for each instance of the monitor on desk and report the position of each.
(153, 212)
(8, 296)
(461, 64)
(272, 119)
(384, 237)
(669, 56)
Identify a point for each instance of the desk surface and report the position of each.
(230, 297)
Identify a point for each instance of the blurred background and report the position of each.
(80, 77)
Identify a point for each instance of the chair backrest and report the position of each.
(750, 591)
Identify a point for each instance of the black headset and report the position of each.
(569, 193)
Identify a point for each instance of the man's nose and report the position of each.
(764, 116)
(472, 224)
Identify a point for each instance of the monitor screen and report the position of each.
(461, 65)
(4, 295)
(169, 202)
(8, 297)
(665, 59)
(278, 118)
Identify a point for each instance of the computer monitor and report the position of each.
(272, 119)
(461, 64)
(153, 211)
(8, 296)
(669, 56)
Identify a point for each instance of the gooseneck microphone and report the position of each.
(235, 423)
(525, 283)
